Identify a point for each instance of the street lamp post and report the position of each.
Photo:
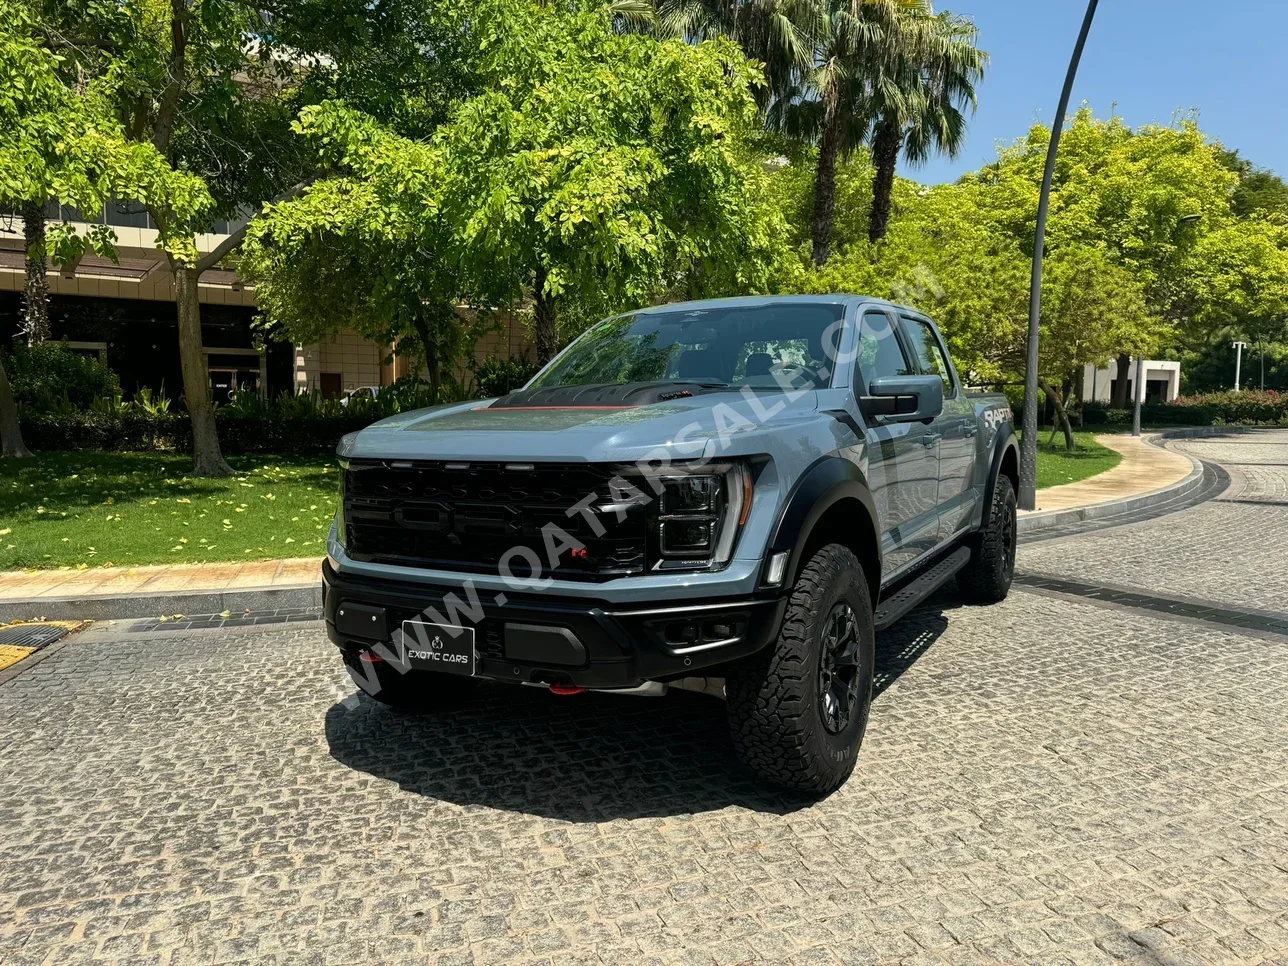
(1238, 348)
(1029, 439)
(1138, 390)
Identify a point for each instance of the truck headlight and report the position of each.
(699, 516)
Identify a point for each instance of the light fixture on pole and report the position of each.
(1029, 437)
(1238, 348)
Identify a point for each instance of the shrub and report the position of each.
(123, 430)
(1218, 408)
(496, 377)
(49, 375)
(1250, 407)
(304, 423)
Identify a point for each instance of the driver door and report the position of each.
(903, 458)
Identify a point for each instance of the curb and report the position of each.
(1050, 519)
(103, 607)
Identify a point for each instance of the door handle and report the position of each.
(930, 439)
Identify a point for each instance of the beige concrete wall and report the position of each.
(363, 363)
(357, 360)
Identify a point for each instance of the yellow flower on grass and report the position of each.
(6, 531)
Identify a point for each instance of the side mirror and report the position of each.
(904, 399)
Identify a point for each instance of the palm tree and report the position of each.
(842, 72)
(855, 45)
(821, 58)
(917, 98)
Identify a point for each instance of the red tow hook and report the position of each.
(565, 689)
(367, 657)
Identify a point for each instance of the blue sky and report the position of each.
(1151, 57)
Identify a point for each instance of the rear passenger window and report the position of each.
(930, 355)
(879, 351)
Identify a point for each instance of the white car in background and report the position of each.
(366, 392)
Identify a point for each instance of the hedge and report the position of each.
(1251, 408)
(141, 432)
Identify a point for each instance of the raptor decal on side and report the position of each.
(997, 416)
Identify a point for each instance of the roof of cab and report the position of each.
(756, 301)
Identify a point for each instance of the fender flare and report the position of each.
(824, 484)
(1006, 440)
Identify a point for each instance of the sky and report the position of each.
(1147, 57)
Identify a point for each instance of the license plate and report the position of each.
(438, 647)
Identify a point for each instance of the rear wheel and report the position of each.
(409, 690)
(986, 579)
(798, 709)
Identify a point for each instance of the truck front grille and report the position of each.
(471, 516)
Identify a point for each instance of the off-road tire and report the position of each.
(986, 578)
(776, 711)
(418, 691)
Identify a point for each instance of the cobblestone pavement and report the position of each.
(1049, 780)
(1232, 550)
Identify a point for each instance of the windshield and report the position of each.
(775, 347)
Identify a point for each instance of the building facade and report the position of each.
(1162, 382)
(124, 311)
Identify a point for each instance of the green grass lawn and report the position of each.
(123, 509)
(1056, 465)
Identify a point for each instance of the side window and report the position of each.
(879, 351)
(929, 353)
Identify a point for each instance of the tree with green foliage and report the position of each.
(1092, 307)
(595, 170)
(1259, 193)
(1127, 191)
(371, 248)
(1243, 289)
(60, 140)
(599, 169)
(204, 85)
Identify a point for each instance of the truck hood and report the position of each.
(688, 428)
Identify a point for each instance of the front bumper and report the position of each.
(547, 639)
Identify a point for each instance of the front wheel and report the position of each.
(986, 579)
(798, 709)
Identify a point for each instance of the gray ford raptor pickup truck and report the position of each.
(745, 489)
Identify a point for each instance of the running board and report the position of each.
(913, 593)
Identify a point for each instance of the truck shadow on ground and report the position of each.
(587, 758)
